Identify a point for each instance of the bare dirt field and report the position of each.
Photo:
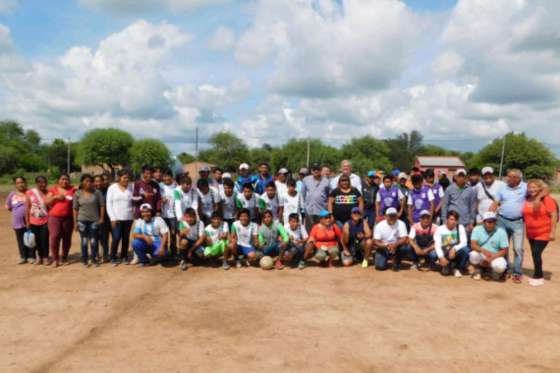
(207, 320)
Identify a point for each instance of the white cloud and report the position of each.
(223, 39)
(8, 5)
(128, 7)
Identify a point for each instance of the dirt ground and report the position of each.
(354, 320)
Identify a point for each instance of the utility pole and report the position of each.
(68, 157)
(502, 157)
(196, 143)
(308, 152)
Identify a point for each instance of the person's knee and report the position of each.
(499, 265)
(474, 258)
(334, 252)
(252, 256)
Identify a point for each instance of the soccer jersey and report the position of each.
(243, 203)
(271, 204)
(298, 234)
(228, 205)
(292, 205)
(155, 228)
(167, 200)
(214, 233)
(245, 234)
(207, 201)
(185, 200)
(268, 234)
(195, 231)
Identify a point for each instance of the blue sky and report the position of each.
(269, 71)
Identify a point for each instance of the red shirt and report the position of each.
(538, 223)
(62, 209)
(325, 237)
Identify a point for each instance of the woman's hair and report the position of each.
(15, 179)
(538, 182)
(123, 172)
(64, 174)
(84, 178)
(40, 178)
(453, 213)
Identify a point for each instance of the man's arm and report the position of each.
(330, 204)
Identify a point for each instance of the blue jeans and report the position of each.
(89, 231)
(141, 248)
(120, 232)
(272, 250)
(461, 258)
(402, 252)
(516, 233)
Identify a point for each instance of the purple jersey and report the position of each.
(435, 190)
(389, 198)
(420, 201)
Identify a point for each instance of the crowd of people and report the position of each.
(468, 224)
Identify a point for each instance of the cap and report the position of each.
(425, 213)
(226, 175)
(315, 167)
(489, 215)
(402, 175)
(303, 170)
(371, 173)
(461, 171)
(283, 171)
(146, 206)
(204, 169)
(487, 170)
(243, 166)
(356, 210)
(324, 214)
(391, 211)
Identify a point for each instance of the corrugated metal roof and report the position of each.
(440, 161)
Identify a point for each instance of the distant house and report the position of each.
(192, 168)
(440, 164)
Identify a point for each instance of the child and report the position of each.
(292, 202)
(389, 195)
(227, 201)
(297, 234)
(167, 188)
(208, 200)
(185, 197)
(420, 198)
(216, 239)
(191, 234)
(270, 201)
(248, 200)
(244, 238)
(273, 239)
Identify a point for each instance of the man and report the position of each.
(204, 173)
(421, 239)
(263, 179)
(487, 192)
(346, 169)
(326, 172)
(244, 178)
(389, 195)
(420, 198)
(371, 187)
(185, 196)
(356, 240)
(269, 201)
(146, 190)
(509, 205)
(489, 244)
(451, 246)
(217, 180)
(281, 178)
(460, 197)
(303, 172)
(149, 236)
(474, 176)
(389, 240)
(402, 183)
(437, 191)
(315, 194)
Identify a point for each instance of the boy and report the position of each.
(208, 200)
(437, 191)
(421, 239)
(227, 201)
(356, 238)
(270, 201)
(291, 202)
(191, 233)
(248, 200)
(167, 188)
(269, 242)
(185, 197)
(420, 198)
(149, 236)
(388, 196)
(297, 235)
(216, 239)
(244, 238)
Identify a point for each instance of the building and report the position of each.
(192, 168)
(440, 164)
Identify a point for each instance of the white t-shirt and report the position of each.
(215, 233)
(156, 228)
(272, 204)
(184, 200)
(484, 202)
(389, 233)
(208, 200)
(244, 203)
(245, 234)
(292, 205)
(195, 231)
(450, 239)
(167, 205)
(228, 205)
(281, 188)
(300, 233)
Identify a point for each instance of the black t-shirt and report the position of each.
(344, 202)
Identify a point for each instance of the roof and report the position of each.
(435, 161)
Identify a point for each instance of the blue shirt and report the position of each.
(491, 241)
(512, 200)
(261, 183)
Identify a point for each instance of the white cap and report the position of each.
(487, 170)
(489, 215)
(425, 213)
(243, 166)
(283, 171)
(146, 206)
(391, 211)
(402, 175)
(461, 171)
(226, 175)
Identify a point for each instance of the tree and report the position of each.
(20, 150)
(57, 156)
(185, 158)
(366, 153)
(105, 148)
(293, 154)
(404, 148)
(529, 155)
(262, 154)
(149, 152)
(227, 150)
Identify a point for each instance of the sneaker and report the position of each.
(301, 264)
(115, 262)
(96, 263)
(135, 261)
(85, 264)
(225, 265)
(141, 265)
(415, 267)
(184, 265)
(125, 261)
(365, 263)
(32, 261)
(22, 261)
(247, 263)
(457, 273)
(516, 279)
(536, 281)
(238, 264)
(476, 275)
(278, 265)
(445, 270)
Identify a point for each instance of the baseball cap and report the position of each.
(303, 170)
(356, 210)
(204, 169)
(243, 166)
(487, 170)
(371, 173)
(461, 171)
(146, 206)
(315, 167)
(226, 175)
(402, 175)
(283, 171)
(324, 214)
(489, 215)
(425, 213)
(391, 211)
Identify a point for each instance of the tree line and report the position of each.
(24, 151)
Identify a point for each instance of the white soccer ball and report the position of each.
(266, 263)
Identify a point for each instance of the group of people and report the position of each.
(458, 226)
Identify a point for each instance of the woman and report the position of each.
(450, 241)
(120, 209)
(324, 241)
(61, 223)
(343, 199)
(101, 183)
(89, 214)
(541, 216)
(37, 218)
(15, 203)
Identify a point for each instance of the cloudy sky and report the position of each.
(462, 72)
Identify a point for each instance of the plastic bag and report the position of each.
(29, 239)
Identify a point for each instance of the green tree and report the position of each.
(529, 155)
(404, 148)
(293, 154)
(20, 150)
(106, 148)
(366, 153)
(262, 154)
(227, 151)
(149, 152)
(185, 158)
(57, 156)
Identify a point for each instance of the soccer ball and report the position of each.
(266, 262)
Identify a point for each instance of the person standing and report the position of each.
(217, 181)
(420, 198)
(389, 195)
(263, 178)
(244, 177)
(343, 199)
(15, 203)
(146, 190)
(120, 208)
(281, 179)
(541, 218)
(346, 170)
(461, 198)
(371, 187)
(437, 191)
(101, 183)
(89, 213)
(487, 192)
(315, 194)
(61, 221)
(167, 188)
(37, 219)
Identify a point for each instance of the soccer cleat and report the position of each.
(476, 275)
(457, 273)
(365, 263)
(238, 264)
